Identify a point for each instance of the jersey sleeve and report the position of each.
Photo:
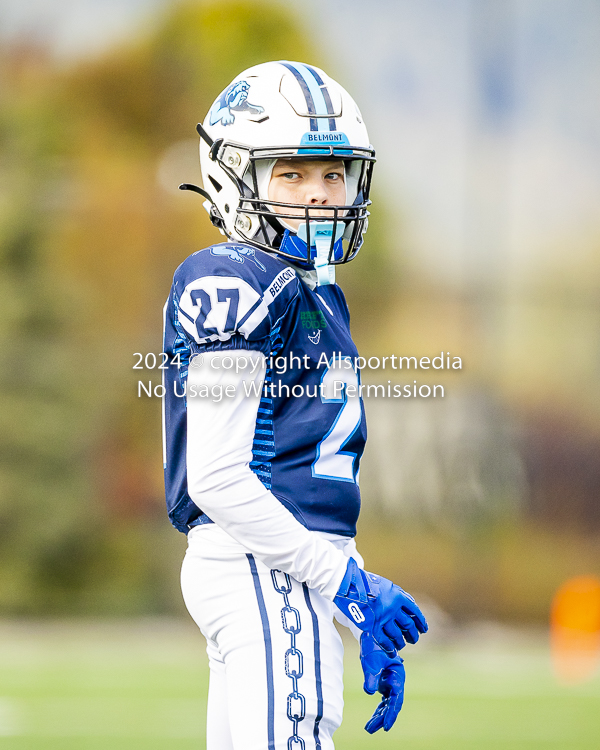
(227, 296)
(231, 290)
(220, 433)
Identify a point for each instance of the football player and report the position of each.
(264, 426)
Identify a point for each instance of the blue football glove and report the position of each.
(385, 675)
(379, 607)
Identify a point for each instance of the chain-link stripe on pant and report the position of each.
(275, 656)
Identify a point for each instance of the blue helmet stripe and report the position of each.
(310, 104)
(315, 75)
(326, 97)
(317, 97)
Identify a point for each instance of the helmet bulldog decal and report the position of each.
(233, 99)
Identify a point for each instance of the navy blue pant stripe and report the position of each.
(326, 97)
(318, 681)
(310, 103)
(268, 653)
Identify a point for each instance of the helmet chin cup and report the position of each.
(323, 236)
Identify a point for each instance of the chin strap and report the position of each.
(321, 239)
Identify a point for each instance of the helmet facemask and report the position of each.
(263, 222)
(248, 129)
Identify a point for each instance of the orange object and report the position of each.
(575, 629)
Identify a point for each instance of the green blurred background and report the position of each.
(483, 243)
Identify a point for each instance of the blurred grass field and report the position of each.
(117, 685)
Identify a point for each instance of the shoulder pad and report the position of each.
(232, 288)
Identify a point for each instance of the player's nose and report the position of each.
(316, 194)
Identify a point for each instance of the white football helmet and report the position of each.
(285, 110)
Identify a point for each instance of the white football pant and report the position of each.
(275, 656)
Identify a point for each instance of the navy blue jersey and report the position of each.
(310, 429)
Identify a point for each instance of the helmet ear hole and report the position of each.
(217, 185)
